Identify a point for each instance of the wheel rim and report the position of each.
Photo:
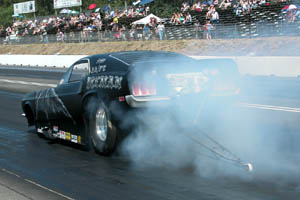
(101, 124)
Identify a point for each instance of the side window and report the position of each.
(66, 76)
(80, 69)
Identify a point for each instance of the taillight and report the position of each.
(143, 89)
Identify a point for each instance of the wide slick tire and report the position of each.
(100, 131)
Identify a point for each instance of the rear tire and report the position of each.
(100, 131)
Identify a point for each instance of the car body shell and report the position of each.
(111, 78)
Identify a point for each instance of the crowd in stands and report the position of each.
(100, 23)
(84, 23)
(181, 18)
(210, 7)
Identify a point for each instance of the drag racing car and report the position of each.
(97, 92)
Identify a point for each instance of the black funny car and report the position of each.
(85, 106)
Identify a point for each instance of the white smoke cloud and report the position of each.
(164, 137)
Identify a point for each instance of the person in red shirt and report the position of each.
(208, 27)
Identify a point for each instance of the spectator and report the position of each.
(216, 3)
(225, 4)
(123, 33)
(147, 10)
(208, 27)
(115, 31)
(161, 30)
(131, 34)
(116, 20)
(188, 18)
(173, 18)
(197, 28)
(185, 6)
(197, 6)
(60, 36)
(152, 23)
(292, 15)
(85, 34)
(8, 31)
(45, 36)
(209, 12)
(139, 31)
(210, 2)
(146, 31)
(214, 16)
(238, 9)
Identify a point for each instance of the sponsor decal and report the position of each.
(65, 135)
(55, 128)
(74, 138)
(66, 3)
(62, 135)
(68, 136)
(24, 7)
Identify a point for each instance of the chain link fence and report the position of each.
(220, 31)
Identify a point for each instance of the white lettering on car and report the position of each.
(100, 61)
(104, 82)
(98, 69)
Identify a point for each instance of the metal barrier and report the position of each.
(220, 31)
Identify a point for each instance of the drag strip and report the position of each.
(63, 171)
(63, 168)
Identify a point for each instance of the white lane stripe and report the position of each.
(27, 83)
(270, 107)
(45, 188)
(36, 184)
(11, 173)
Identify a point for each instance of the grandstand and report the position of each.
(264, 20)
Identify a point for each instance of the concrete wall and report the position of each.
(267, 65)
(277, 65)
(40, 60)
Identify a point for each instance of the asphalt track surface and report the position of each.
(34, 168)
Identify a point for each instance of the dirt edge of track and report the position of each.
(275, 46)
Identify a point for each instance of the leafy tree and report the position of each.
(162, 8)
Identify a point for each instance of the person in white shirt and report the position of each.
(214, 16)
(161, 30)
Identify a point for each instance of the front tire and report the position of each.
(100, 131)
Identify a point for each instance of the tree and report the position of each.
(161, 8)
